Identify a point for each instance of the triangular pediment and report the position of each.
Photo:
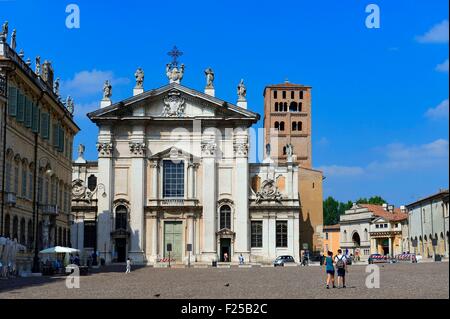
(173, 101)
(379, 220)
(174, 153)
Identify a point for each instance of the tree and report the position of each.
(376, 200)
(333, 209)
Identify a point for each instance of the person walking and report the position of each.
(128, 266)
(329, 268)
(341, 265)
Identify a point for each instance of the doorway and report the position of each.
(173, 234)
(225, 248)
(121, 249)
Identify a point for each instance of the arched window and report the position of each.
(7, 226)
(300, 126)
(276, 106)
(30, 234)
(293, 106)
(300, 104)
(225, 217)
(92, 182)
(284, 150)
(301, 94)
(292, 94)
(345, 235)
(294, 126)
(22, 232)
(275, 94)
(284, 94)
(15, 232)
(277, 126)
(121, 217)
(281, 126)
(285, 107)
(356, 239)
(366, 235)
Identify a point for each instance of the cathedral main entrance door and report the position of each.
(173, 232)
(121, 249)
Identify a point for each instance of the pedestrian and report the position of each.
(128, 266)
(329, 268)
(225, 257)
(341, 265)
(241, 259)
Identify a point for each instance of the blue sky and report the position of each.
(380, 96)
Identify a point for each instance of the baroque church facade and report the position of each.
(173, 178)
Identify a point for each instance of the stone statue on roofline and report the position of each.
(107, 90)
(38, 65)
(209, 77)
(241, 91)
(173, 73)
(139, 75)
(5, 29)
(13, 39)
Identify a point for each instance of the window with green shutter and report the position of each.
(20, 107)
(55, 135)
(12, 101)
(61, 140)
(45, 128)
(28, 112)
(36, 115)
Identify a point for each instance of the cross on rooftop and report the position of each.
(175, 54)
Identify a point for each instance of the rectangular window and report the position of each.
(20, 107)
(12, 101)
(45, 125)
(28, 112)
(30, 186)
(326, 236)
(275, 94)
(292, 94)
(55, 135)
(281, 233)
(8, 177)
(24, 183)
(36, 114)
(256, 229)
(301, 95)
(16, 180)
(173, 175)
(284, 94)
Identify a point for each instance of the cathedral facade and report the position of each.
(173, 180)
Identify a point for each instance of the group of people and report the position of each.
(337, 264)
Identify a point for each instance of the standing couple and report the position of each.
(341, 265)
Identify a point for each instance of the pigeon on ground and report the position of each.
(227, 285)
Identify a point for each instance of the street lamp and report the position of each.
(48, 172)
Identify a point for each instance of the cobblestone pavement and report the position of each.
(427, 280)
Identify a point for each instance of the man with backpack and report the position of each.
(341, 266)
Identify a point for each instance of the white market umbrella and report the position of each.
(58, 250)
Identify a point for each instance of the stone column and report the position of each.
(190, 237)
(242, 243)
(137, 150)
(80, 234)
(154, 234)
(191, 184)
(296, 231)
(391, 252)
(209, 198)
(155, 173)
(272, 237)
(106, 176)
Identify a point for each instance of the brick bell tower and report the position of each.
(287, 120)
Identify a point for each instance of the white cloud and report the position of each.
(336, 170)
(443, 67)
(88, 83)
(82, 109)
(323, 141)
(437, 34)
(438, 112)
(398, 156)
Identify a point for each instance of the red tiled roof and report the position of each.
(332, 227)
(379, 211)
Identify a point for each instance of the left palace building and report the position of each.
(36, 136)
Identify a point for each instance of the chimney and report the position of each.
(385, 206)
(403, 209)
(391, 208)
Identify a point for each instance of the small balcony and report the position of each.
(49, 209)
(173, 202)
(10, 199)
